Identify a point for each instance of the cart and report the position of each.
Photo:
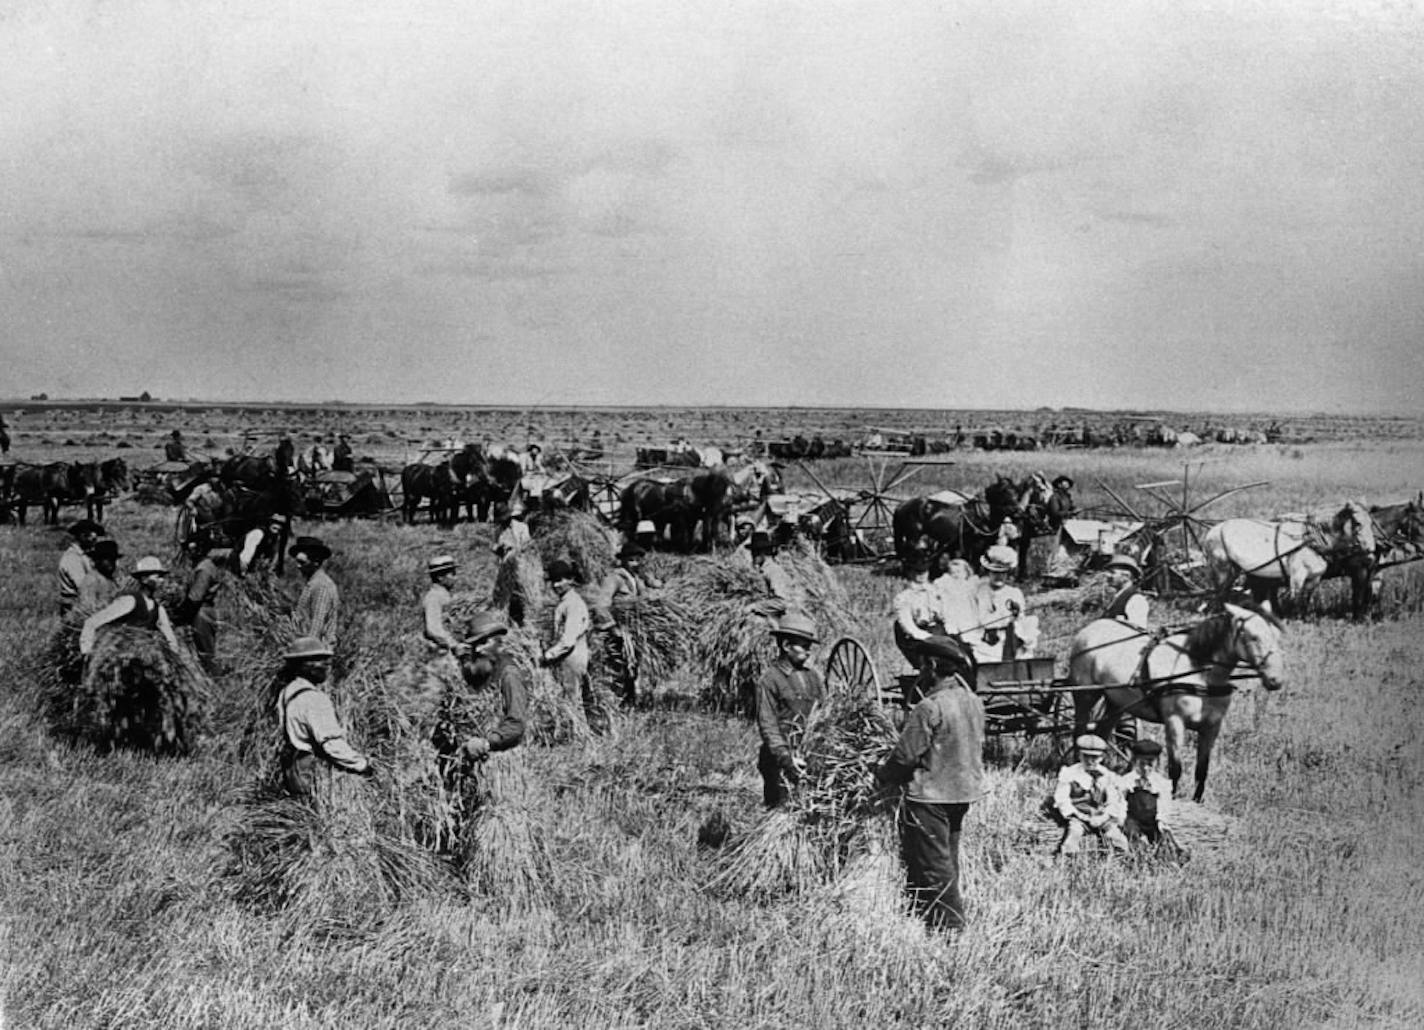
(343, 495)
(859, 522)
(1022, 698)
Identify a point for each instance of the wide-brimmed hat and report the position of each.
(1066, 481)
(1090, 744)
(484, 625)
(106, 549)
(797, 626)
(441, 563)
(307, 647)
(149, 565)
(1146, 748)
(86, 526)
(312, 546)
(558, 569)
(999, 559)
(1125, 561)
(946, 649)
(280, 518)
(630, 551)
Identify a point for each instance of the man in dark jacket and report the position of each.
(498, 687)
(1061, 505)
(938, 761)
(785, 695)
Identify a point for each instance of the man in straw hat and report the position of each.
(488, 667)
(319, 603)
(1128, 602)
(568, 655)
(312, 735)
(938, 762)
(75, 563)
(1088, 799)
(441, 569)
(785, 695)
(137, 606)
(102, 584)
(513, 532)
(1004, 632)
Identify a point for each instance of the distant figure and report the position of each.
(778, 583)
(1005, 632)
(594, 451)
(319, 604)
(513, 531)
(75, 563)
(199, 605)
(742, 533)
(1127, 603)
(101, 585)
(175, 449)
(1061, 506)
(4, 436)
(342, 459)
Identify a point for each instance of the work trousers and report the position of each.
(1073, 836)
(774, 790)
(929, 843)
(619, 666)
(205, 637)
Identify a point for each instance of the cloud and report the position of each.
(527, 182)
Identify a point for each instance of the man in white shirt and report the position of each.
(568, 654)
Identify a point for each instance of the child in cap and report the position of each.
(1088, 799)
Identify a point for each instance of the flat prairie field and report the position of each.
(1301, 904)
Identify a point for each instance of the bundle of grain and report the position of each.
(731, 644)
(833, 815)
(339, 860)
(555, 717)
(820, 592)
(519, 587)
(59, 670)
(137, 692)
(578, 538)
(503, 848)
(657, 633)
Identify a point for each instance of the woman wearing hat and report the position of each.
(312, 736)
(137, 606)
(319, 603)
(785, 695)
(1088, 799)
(919, 613)
(1004, 633)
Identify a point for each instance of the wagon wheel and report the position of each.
(849, 671)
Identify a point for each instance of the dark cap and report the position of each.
(312, 547)
(86, 526)
(630, 550)
(558, 569)
(108, 549)
(947, 651)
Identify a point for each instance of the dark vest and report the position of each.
(1117, 609)
(144, 613)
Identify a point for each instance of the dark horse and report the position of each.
(50, 486)
(670, 506)
(435, 483)
(719, 492)
(244, 495)
(483, 481)
(924, 526)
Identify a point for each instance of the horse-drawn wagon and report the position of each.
(364, 493)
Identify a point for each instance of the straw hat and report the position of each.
(441, 563)
(148, 565)
(1000, 559)
(647, 526)
(485, 625)
(307, 647)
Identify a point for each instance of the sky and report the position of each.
(1012, 203)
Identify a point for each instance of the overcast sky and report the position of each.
(1098, 202)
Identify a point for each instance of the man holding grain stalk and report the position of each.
(938, 761)
(785, 695)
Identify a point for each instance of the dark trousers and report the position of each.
(205, 638)
(774, 792)
(620, 669)
(929, 842)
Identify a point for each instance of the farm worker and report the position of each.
(1061, 506)
(262, 541)
(785, 695)
(102, 584)
(742, 530)
(568, 654)
(75, 563)
(137, 606)
(1147, 795)
(938, 761)
(441, 569)
(1004, 631)
(956, 597)
(626, 579)
(594, 450)
(342, 459)
(319, 603)
(175, 449)
(645, 534)
(778, 583)
(1128, 603)
(1354, 529)
(490, 668)
(918, 612)
(513, 532)
(1088, 799)
(199, 606)
(312, 735)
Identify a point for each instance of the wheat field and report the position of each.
(1304, 910)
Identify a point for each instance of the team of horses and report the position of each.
(51, 486)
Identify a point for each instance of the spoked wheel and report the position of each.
(850, 672)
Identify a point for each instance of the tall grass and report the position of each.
(116, 911)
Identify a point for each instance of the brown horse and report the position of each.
(435, 483)
(670, 506)
(924, 526)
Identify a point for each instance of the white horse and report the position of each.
(1184, 682)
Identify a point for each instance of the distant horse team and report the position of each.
(56, 484)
